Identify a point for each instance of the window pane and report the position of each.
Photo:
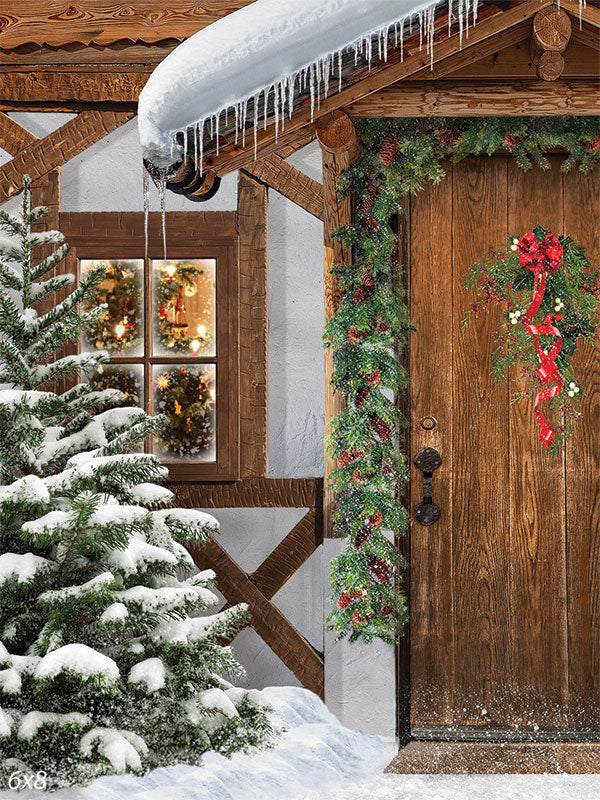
(120, 328)
(127, 378)
(184, 307)
(185, 396)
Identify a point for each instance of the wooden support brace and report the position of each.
(290, 182)
(267, 620)
(63, 144)
(14, 137)
(340, 148)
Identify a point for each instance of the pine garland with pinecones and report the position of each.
(398, 157)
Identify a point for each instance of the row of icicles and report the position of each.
(316, 77)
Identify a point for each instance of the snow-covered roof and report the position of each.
(254, 61)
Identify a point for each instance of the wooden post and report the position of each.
(340, 148)
(549, 38)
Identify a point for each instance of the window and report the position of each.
(170, 327)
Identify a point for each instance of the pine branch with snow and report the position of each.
(108, 659)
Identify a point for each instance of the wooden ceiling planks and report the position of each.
(60, 22)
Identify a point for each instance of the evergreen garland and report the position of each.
(372, 320)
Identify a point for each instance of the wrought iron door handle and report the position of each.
(427, 461)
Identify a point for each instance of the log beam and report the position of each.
(290, 182)
(339, 148)
(576, 97)
(59, 147)
(250, 493)
(550, 36)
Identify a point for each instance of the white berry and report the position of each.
(576, 389)
(571, 393)
(513, 247)
(572, 385)
(513, 321)
(515, 241)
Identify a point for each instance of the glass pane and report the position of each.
(127, 378)
(185, 396)
(184, 307)
(120, 328)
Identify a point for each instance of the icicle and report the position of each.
(460, 23)
(185, 146)
(201, 137)
(255, 124)
(217, 125)
(339, 70)
(449, 17)
(162, 190)
(244, 116)
(312, 96)
(146, 210)
(265, 105)
(420, 30)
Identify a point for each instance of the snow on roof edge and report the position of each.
(264, 48)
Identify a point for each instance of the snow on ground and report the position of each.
(318, 759)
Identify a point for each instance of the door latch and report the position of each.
(427, 461)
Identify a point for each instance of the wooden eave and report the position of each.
(59, 23)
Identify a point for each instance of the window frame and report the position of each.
(190, 235)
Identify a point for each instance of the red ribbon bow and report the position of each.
(541, 258)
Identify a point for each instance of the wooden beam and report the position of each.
(250, 493)
(22, 84)
(585, 12)
(59, 147)
(481, 98)
(289, 555)
(239, 160)
(14, 137)
(236, 156)
(587, 35)
(58, 22)
(266, 619)
(290, 182)
(253, 265)
(339, 148)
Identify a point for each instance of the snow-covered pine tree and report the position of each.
(105, 665)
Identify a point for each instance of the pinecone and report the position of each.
(512, 141)
(345, 458)
(590, 144)
(355, 334)
(380, 568)
(372, 378)
(361, 395)
(386, 469)
(385, 609)
(449, 136)
(388, 149)
(370, 224)
(357, 618)
(381, 427)
(361, 537)
(346, 598)
(367, 201)
(374, 520)
(382, 327)
(359, 477)
(366, 278)
(362, 293)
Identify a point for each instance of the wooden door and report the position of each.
(505, 587)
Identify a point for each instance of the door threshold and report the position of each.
(487, 758)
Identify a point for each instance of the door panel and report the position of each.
(505, 587)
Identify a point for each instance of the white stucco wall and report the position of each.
(360, 680)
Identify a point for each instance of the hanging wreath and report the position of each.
(397, 157)
(552, 297)
(173, 285)
(118, 328)
(185, 397)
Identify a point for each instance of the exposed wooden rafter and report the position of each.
(481, 98)
(250, 493)
(54, 150)
(550, 36)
